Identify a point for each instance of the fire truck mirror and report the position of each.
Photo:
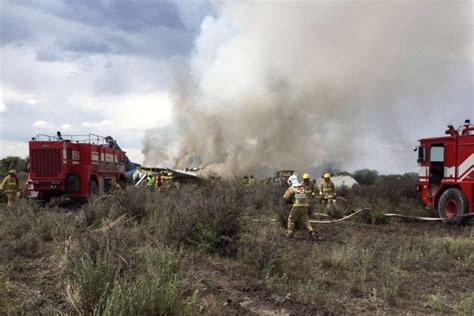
(421, 154)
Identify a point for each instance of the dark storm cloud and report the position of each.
(69, 30)
(126, 15)
(11, 30)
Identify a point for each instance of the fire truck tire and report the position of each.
(93, 187)
(452, 204)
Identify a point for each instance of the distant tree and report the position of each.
(12, 162)
(411, 175)
(365, 176)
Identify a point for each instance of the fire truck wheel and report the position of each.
(93, 187)
(452, 204)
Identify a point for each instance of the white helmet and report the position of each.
(293, 181)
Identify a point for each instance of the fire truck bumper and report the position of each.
(45, 185)
(32, 194)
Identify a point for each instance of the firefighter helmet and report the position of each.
(306, 176)
(327, 176)
(12, 172)
(170, 174)
(293, 181)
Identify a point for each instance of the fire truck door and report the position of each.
(436, 165)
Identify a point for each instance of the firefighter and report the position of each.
(252, 181)
(10, 186)
(167, 181)
(245, 180)
(328, 191)
(158, 181)
(137, 175)
(310, 189)
(299, 212)
(150, 181)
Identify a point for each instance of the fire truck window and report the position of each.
(437, 154)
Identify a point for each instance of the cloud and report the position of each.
(98, 125)
(136, 112)
(43, 125)
(13, 148)
(3, 107)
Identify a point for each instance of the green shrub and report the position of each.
(365, 176)
(17, 222)
(313, 290)
(465, 306)
(379, 207)
(459, 249)
(458, 306)
(154, 288)
(261, 249)
(92, 281)
(93, 263)
(439, 302)
(46, 226)
(357, 273)
(5, 300)
(208, 216)
(391, 279)
(26, 246)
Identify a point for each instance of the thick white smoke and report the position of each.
(293, 84)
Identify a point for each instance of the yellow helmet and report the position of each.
(327, 175)
(12, 172)
(306, 176)
(149, 173)
(170, 174)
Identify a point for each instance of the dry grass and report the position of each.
(124, 254)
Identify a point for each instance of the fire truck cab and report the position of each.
(446, 176)
(73, 165)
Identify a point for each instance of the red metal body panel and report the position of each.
(454, 169)
(59, 167)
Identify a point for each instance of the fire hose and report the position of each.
(366, 209)
(421, 218)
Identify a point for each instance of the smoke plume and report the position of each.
(293, 84)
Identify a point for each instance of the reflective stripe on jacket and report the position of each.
(309, 188)
(297, 195)
(150, 181)
(328, 190)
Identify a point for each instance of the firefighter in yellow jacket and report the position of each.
(252, 181)
(167, 180)
(299, 212)
(150, 181)
(310, 189)
(10, 186)
(328, 191)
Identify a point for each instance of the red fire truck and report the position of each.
(73, 165)
(446, 177)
